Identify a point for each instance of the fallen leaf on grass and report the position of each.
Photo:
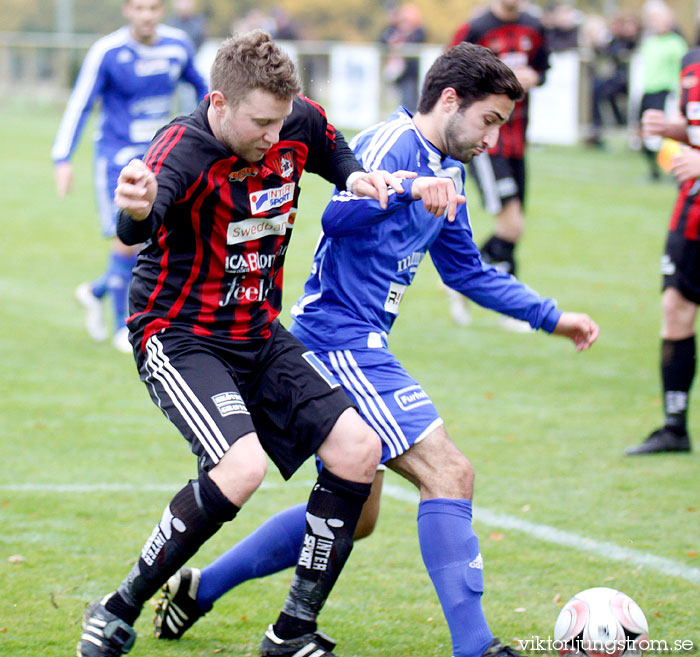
(520, 610)
(16, 558)
(556, 599)
(497, 536)
(692, 553)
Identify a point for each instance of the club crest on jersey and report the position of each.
(242, 174)
(689, 81)
(692, 111)
(271, 199)
(285, 165)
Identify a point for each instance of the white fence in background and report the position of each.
(347, 78)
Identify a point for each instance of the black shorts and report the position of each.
(680, 266)
(500, 179)
(216, 390)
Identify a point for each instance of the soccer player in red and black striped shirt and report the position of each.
(680, 265)
(215, 202)
(517, 38)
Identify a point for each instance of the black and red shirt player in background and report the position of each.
(215, 204)
(518, 39)
(680, 265)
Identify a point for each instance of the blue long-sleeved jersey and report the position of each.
(367, 257)
(135, 83)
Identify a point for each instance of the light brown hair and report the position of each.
(253, 61)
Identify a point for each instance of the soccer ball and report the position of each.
(601, 622)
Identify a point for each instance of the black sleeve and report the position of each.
(171, 156)
(329, 154)
(131, 232)
(343, 161)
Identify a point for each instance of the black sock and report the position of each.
(677, 373)
(194, 515)
(500, 253)
(332, 513)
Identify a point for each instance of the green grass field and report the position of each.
(88, 462)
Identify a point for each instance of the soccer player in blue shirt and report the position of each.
(134, 72)
(365, 261)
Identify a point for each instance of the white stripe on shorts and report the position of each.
(487, 182)
(105, 195)
(183, 398)
(374, 410)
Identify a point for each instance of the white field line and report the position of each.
(544, 533)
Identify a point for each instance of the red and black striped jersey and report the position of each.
(517, 43)
(220, 225)
(685, 218)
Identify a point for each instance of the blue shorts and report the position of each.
(107, 165)
(391, 401)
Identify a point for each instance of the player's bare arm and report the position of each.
(63, 173)
(376, 184)
(655, 123)
(438, 195)
(686, 165)
(579, 328)
(136, 190)
(527, 76)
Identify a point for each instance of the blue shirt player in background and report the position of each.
(134, 73)
(365, 261)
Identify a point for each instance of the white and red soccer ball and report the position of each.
(601, 622)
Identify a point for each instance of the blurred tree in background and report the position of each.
(351, 20)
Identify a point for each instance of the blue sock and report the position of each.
(451, 554)
(272, 547)
(99, 285)
(118, 278)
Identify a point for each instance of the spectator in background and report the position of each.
(186, 18)
(255, 19)
(134, 73)
(608, 50)
(680, 266)
(405, 26)
(561, 22)
(285, 26)
(661, 51)
(518, 39)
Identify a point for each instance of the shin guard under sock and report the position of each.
(450, 551)
(500, 253)
(332, 513)
(194, 515)
(677, 374)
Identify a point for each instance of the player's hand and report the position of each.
(63, 173)
(579, 328)
(375, 184)
(527, 76)
(686, 165)
(654, 123)
(438, 195)
(136, 190)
